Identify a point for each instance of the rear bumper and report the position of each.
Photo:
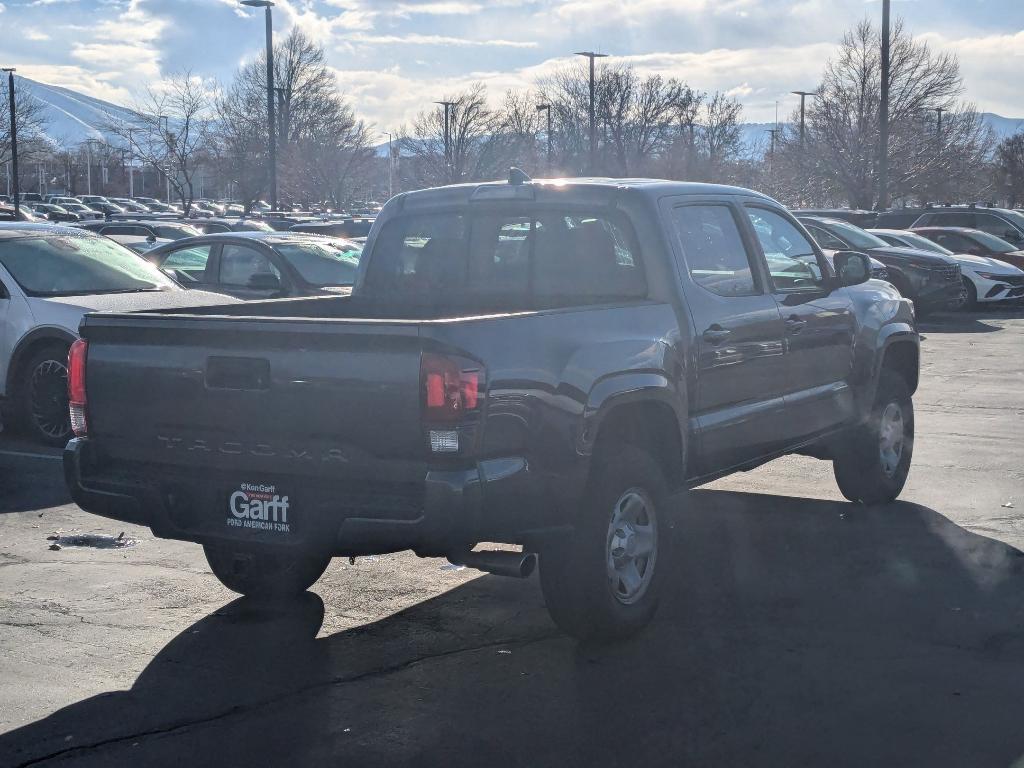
(499, 500)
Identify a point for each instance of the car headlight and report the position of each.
(991, 276)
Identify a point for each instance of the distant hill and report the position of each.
(756, 139)
(74, 117)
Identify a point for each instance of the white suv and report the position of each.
(50, 276)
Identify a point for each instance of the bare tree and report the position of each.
(170, 130)
(470, 123)
(1009, 169)
(322, 147)
(843, 122)
(718, 136)
(30, 119)
(638, 117)
(513, 140)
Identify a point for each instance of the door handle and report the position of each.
(716, 334)
(795, 324)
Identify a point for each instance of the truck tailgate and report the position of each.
(282, 396)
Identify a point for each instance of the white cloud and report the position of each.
(77, 79)
(418, 39)
(991, 66)
(34, 34)
(437, 9)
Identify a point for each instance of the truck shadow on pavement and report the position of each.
(28, 484)
(969, 321)
(793, 632)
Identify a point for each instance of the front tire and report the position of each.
(42, 398)
(603, 582)
(873, 465)
(971, 301)
(264, 576)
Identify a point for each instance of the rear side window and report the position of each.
(952, 219)
(187, 264)
(126, 230)
(508, 260)
(994, 225)
(713, 249)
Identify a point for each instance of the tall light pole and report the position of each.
(593, 115)
(165, 124)
(803, 125)
(883, 115)
(938, 127)
(771, 152)
(447, 139)
(266, 5)
(131, 167)
(547, 108)
(14, 136)
(88, 166)
(391, 157)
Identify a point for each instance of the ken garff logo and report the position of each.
(253, 501)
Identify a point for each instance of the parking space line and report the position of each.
(27, 455)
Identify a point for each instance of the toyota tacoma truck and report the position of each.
(532, 363)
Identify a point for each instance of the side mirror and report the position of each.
(265, 281)
(1013, 236)
(150, 238)
(852, 268)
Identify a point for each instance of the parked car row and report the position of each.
(1004, 223)
(936, 267)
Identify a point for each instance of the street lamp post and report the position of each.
(131, 167)
(447, 139)
(165, 125)
(803, 96)
(771, 152)
(593, 116)
(14, 136)
(391, 185)
(883, 115)
(88, 166)
(266, 5)
(547, 108)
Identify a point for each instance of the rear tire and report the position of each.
(264, 576)
(873, 464)
(41, 408)
(603, 581)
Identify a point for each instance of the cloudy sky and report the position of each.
(395, 56)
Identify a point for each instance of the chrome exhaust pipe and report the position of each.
(518, 565)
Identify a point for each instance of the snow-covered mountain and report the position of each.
(71, 117)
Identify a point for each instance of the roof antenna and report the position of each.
(517, 176)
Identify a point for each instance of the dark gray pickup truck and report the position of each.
(531, 363)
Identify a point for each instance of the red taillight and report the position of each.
(77, 399)
(450, 388)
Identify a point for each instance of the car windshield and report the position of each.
(923, 243)
(323, 264)
(253, 226)
(69, 265)
(1016, 217)
(993, 243)
(855, 236)
(175, 232)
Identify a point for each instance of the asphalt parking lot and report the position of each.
(798, 630)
